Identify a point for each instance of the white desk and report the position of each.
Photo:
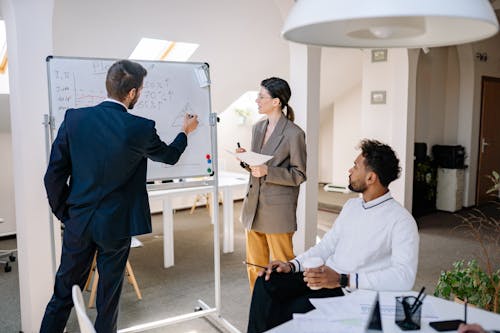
(226, 184)
(443, 309)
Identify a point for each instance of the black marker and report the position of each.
(243, 164)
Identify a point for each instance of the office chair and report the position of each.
(83, 320)
(7, 253)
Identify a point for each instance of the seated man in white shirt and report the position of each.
(373, 244)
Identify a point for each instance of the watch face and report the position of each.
(343, 280)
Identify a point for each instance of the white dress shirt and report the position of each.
(376, 242)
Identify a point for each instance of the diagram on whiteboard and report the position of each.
(170, 91)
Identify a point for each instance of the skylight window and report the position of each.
(4, 74)
(158, 49)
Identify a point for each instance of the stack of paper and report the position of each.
(336, 314)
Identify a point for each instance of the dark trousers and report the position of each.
(76, 258)
(276, 300)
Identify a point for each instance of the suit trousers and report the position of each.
(262, 247)
(76, 259)
(276, 300)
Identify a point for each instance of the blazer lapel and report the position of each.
(260, 131)
(275, 138)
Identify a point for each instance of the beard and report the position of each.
(358, 188)
(132, 103)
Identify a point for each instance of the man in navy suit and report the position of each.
(96, 185)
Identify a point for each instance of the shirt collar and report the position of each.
(115, 101)
(376, 201)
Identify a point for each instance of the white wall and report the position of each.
(325, 165)
(240, 40)
(390, 122)
(437, 97)
(7, 208)
(346, 134)
(29, 39)
(341, 73)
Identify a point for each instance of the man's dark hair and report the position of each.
(123, 76)
(381, 159)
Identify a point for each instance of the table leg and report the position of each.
(168, 233)
(228, 209)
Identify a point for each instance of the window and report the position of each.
(4, 73)
(158, 49)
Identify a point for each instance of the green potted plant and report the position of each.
(479, 284)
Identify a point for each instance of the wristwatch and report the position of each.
(344, 280)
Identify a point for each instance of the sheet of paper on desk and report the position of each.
(315, 321)
(251, 158)
(346, 307)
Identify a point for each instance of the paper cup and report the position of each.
(313, 262)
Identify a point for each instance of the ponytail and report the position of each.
(289, 113)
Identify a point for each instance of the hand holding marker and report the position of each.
(243, 164)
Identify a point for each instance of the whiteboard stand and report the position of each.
(213, 314)
(48, 140)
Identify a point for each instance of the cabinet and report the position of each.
(450, 189)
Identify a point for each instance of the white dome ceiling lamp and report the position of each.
(389, 23)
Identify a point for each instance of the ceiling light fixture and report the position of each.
(389, 23)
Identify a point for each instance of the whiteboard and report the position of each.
(171, 89)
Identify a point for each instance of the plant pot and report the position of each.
(461, 301)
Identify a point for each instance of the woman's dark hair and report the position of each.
(381, 159)
(279, 88)
(123, 76)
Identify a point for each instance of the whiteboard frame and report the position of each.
(52, 122)
(203, 310)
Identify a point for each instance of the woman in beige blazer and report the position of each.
(270, 204)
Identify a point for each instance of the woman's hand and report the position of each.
(259, 170)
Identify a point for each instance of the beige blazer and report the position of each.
(271, 201)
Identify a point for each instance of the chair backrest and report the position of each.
(83, 320)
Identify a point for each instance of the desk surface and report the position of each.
(226, 179)
(440, 309)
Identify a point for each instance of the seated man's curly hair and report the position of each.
(381, 159)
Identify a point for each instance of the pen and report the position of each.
(419, 294)
(465, 311)
(250, 264)
(243, 164)
(419, 304)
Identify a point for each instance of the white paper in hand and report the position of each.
(251, 158)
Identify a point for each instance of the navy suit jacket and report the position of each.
(97, 171)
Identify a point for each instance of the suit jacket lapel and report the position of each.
(275, 138)
(260, 131)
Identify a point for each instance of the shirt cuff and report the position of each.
(353, 281)
(296, 264)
